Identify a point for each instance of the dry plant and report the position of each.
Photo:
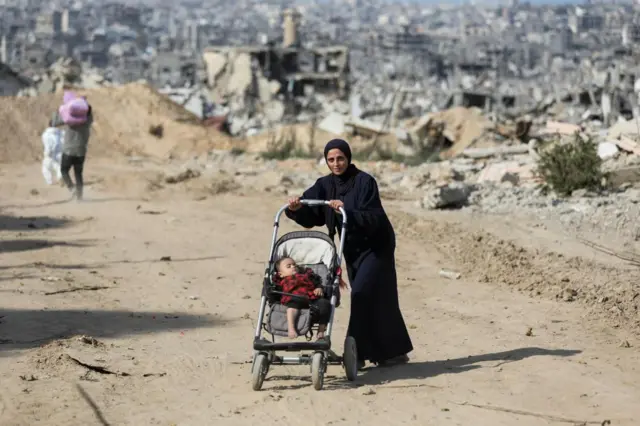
(284, 147)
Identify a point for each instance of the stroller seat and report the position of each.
(310, 249)
(276, 323)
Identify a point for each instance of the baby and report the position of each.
(302, 282)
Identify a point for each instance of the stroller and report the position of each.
(314, 250)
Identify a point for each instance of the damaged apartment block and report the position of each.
(270, 82)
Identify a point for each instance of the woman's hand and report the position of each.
(294, 204)
(336, 204)
(318, 292)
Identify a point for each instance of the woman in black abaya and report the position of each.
(376, 322)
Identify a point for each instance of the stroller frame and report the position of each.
(265, 351)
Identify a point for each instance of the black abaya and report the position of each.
(376, 322)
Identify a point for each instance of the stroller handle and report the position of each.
(312, 203)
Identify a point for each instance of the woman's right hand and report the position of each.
(294, 204)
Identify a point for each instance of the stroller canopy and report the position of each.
(307, 248)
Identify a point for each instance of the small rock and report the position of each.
(568, 295)
(452, 275)
(579, 193)
(182, 176)
(529, 332)
(512, 178)
(625, 344)
(368, 391)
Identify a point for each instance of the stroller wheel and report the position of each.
(317, 370)
(350, 358)
(259, 371)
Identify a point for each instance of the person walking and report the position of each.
(74, 148)
(376, 321)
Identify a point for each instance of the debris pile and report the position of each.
(65, 72)
(249, 97)
(123, 117)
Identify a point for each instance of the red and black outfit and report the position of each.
(304, 283)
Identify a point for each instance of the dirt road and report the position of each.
(166, 291)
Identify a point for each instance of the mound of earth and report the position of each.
(123, 118)
(302, 139)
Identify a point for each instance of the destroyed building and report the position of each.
(11, 82)
(266, 79)
(294, 67)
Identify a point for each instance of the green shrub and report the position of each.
(571, 166)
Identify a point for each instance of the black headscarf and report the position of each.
(340, 184)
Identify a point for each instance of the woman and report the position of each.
(376, 321)
(74, 148)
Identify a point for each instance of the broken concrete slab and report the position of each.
(365, 128)
(624, 175)
(452, 195)
(495, 172)
(623, 127)
(628, 144)
(215, 65)
(478, 153)
(561, 128)
(274, 111)
(241, 75)
(333, 123)
(608, 150)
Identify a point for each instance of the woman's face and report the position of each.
(337, 161)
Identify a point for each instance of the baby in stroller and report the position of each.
(307, 284)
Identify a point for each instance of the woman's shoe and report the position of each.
(396, 360)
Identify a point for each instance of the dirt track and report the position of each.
(181, 329)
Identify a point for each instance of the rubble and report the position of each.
(65, 72)
(453, 195)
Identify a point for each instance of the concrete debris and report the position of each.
(561, 128)
(64, 72)
(453, 195)
(454, 129)
(452, 275)
(608, 150)
(333, 123)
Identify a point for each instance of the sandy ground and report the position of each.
(174, 336)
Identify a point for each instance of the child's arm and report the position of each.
(314, 278)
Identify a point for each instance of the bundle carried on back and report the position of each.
(74, 109)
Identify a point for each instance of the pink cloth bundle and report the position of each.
(74, 109)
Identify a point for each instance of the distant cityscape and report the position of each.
(513, 52)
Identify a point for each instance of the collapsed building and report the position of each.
(269, 83)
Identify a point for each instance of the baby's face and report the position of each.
(287, 267)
